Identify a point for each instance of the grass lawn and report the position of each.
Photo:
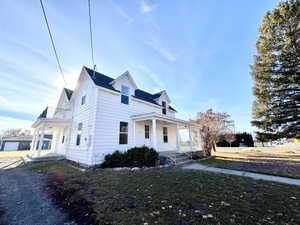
(169, 196)
(277, 161)
(272, 167)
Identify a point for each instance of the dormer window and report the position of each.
(164, 107)
(125, 95)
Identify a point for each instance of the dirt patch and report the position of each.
(73, 203)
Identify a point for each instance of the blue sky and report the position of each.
(199, 51)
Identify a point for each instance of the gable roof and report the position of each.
(106, 82)
(68, 93)
(126, 74)
(157, 95)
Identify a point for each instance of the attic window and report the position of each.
(125, 95)
(164, 107)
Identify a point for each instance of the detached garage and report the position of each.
(16, 143)
(11, 146)
(22, 143)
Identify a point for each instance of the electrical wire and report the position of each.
(91, 38)
(53, 45)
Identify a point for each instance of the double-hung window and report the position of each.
(125, 95)
(165, 134)
(123, 138)
(164, 107)
(147, 132)
(79, 130)
(83, 100)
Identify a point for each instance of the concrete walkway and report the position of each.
(256, 176)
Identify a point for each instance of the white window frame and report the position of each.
(125, 90)
(79, 134)
(83, 99)
(123, 132)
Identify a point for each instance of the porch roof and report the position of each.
(157, 116)
(52, 122)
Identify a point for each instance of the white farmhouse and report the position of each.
(104, 114)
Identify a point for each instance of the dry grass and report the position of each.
(16, 154)
(169, 196)
(279, 161)
(257, 154)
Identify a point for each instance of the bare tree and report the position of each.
(213, 125)
(14, 133)
(230, 137)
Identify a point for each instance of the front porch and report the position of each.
(58, 128)
(165, 134)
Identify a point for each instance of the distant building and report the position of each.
(22, 143)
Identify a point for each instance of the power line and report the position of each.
(91, 34)
(53, 45)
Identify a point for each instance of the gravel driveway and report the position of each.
(23, 200)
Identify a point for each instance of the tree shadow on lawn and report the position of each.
(283, 168)
(169, 196)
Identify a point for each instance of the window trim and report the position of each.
(121, 133)
(164, 107)
(165, 135)
(147, 131)
(79, 133)
(125, 95)
(83, 99)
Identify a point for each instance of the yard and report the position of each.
(276, 161)
(168, 196)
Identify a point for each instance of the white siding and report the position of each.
(101, 116)
(84, 114)
(110, 112)
(161, 146)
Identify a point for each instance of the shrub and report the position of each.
(134, 157)
(115, 159)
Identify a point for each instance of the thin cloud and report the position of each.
(163, 51)
(145, 7)
(9, 123)
(159, 83)
(121, 12)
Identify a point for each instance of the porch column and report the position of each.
(41, 140)
(154, 140)
(190, 136)
(177, 137)
(33, 142)
(133, 134)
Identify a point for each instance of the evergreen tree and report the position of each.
(276, 72)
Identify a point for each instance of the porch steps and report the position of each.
(177, 157)
(43, 158)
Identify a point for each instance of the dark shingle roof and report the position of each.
(43, 114)
(68, 93)
(143, 95)
(170, 107)
(104, 81)
(100, 79)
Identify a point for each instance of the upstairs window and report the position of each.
(123, 138)
(83, 100)
(164, 107)
(147, 132)
(79, 130)
(165, 134)
(125, 95)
